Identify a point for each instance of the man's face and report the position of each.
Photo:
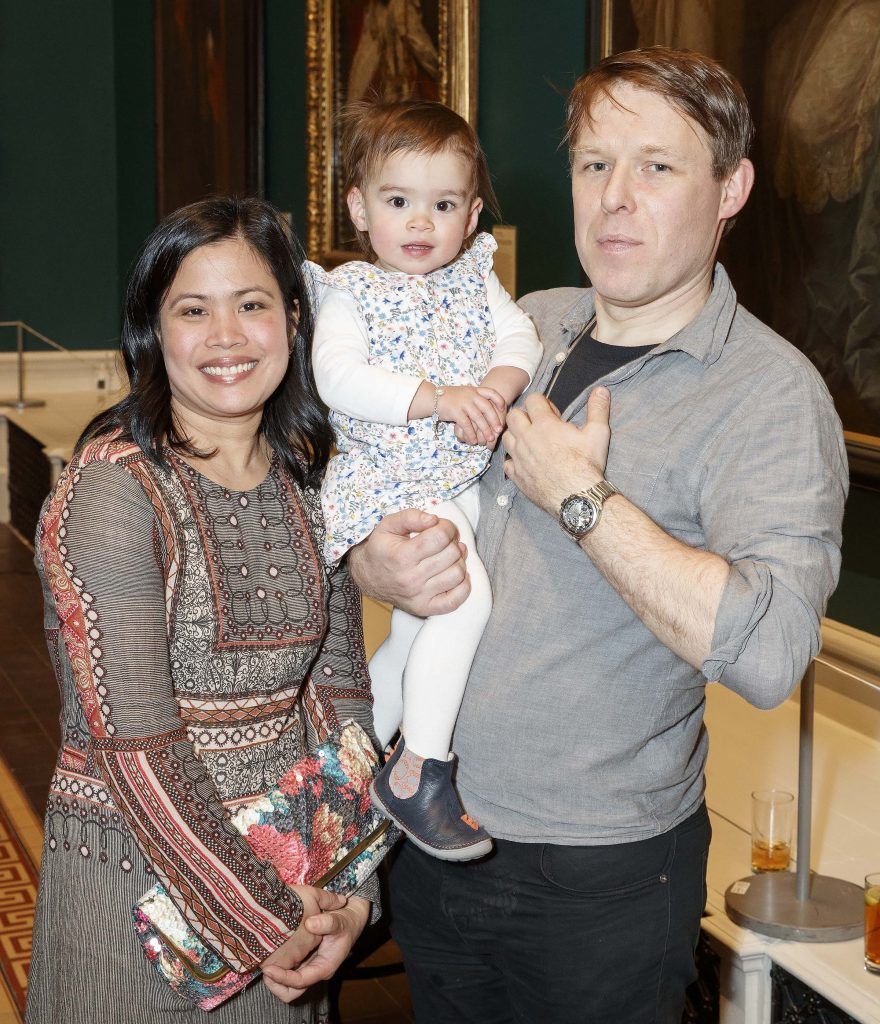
(647, 211)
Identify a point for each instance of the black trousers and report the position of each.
(549, 934)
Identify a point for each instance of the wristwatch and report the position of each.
(580, 512)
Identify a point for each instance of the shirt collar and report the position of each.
(703, 338)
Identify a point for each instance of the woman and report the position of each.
(200, 643)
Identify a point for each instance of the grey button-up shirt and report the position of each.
(578, 725)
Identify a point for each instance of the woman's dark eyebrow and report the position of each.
(204, 298)
(253, 288)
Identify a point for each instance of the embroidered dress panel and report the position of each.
(201, 646)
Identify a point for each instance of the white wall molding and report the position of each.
(852, 650)
(48, 373)
(848, 678)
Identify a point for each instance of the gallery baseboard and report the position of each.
(55, 372)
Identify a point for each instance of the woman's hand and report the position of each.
(302, 943)
(333, 932)
(477, 412)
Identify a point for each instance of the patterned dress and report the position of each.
(437, 326)
(201, 646)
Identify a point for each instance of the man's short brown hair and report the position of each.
(697, 86)
(373, 131)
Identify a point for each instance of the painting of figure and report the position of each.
(385, 49)
(821, 143)
(393, 46)
(376, 49)
(805, 254)
(684, 24)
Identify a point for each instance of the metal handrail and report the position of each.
(20, 327)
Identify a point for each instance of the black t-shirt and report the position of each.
(587, 361)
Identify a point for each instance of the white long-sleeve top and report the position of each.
(349, 383)
(379, 334)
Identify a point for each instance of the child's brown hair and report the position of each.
(373, 131)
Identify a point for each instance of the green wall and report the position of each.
(77, 150)
(857, 600)
(530, 56)
(77, 180)
(58, 181)
(135, 130)
(77, 154)
(285, 123)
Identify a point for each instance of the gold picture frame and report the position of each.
(334, 33)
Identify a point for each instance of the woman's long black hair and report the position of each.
(295, 422)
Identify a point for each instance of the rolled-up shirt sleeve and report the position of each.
(771, 504)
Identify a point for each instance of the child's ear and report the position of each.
(356, 209)
(473, 217)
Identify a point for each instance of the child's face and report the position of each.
(417, 209)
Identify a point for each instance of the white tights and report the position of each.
(436, 653)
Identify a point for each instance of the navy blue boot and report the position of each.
(432, 817)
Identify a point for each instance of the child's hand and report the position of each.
(479, 413)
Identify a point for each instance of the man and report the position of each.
(701, 545)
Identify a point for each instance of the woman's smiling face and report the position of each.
(224, 334)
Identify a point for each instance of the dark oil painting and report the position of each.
(805, 253)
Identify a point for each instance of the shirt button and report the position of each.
(502, 500)
(560, 357)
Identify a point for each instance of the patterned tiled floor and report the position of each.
(20, 839)
(18, 890)
(28, 745)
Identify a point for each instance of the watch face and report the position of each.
(578, 515)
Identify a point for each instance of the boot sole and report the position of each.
(464, 853)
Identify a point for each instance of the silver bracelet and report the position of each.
(438, 391)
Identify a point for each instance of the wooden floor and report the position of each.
(29, 738)
(29, 735)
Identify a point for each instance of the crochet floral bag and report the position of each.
(316, 827)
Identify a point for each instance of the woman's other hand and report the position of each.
(333, 933)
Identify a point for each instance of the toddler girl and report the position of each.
(418, 354)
